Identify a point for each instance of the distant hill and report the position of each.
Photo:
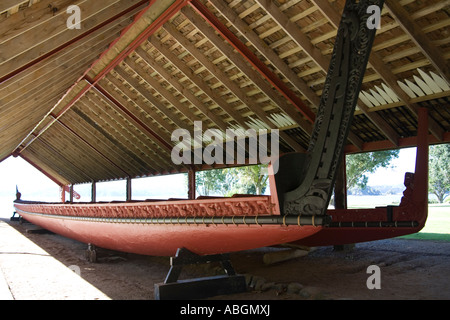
(378, 190)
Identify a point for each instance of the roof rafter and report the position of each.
(211, 93)
(266, 51)
(315, 54)
(419, 37)
(236, 59)
(386, 74)
(259, 65)
(166, 14)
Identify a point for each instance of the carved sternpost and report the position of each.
(351, 53)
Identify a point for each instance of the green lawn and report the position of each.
(437, 226)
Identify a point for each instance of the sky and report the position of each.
(406, 162)
(35, 186)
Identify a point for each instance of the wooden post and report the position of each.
(340, 188)
(129, 189)
(340, 198)
(71, 193)
(63, 194)
(191, 184)
(94, 192)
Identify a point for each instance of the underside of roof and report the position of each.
(101, 102)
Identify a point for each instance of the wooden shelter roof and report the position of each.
(100, 103)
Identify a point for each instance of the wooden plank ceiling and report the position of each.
(101, 102)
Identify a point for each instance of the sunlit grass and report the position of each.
(437, 227)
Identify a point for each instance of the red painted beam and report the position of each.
(252, 58)
(9, 155)
(70, 42)
(91, 146)
(48, 175)
(408, 142)
(420, 192)
(152, 28)
(129, 114)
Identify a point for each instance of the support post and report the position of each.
(174, 289)
(340, 198)
(340, 187)
(420, 192)
(62, 189)
(71, 193)
(191, 184)
(94, 192)
(129, 196)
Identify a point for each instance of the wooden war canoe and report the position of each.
(297, 209)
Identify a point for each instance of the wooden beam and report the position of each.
(433, 53)
(149, 28)
(206, 89)
(235, 88)
(116, 147)
(237, 60)
(6, 5)
(158, 87)
(60, 182)
(132, 149)
(189, 73)
(75, 54)
(90, 146)
(295, 33)
(386, 74)
(33, 45)
(315, 54)
(391, 80)
(253, 60)
(266, 51)
(129, 115)
(71, 193)
(217, 120)
(408, 142)
(380, 123)
(131, 99)
(340, 188)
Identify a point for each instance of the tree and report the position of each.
(226, 182)
(214, 181)
(361, 164)
(439, 171)
(251, 179)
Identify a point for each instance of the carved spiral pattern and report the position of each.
(352, 49)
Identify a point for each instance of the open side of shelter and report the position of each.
(315, 72)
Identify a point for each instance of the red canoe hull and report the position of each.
(164, 240)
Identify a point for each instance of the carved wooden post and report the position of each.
(348, 65)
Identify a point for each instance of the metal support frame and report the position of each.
(199, 288)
